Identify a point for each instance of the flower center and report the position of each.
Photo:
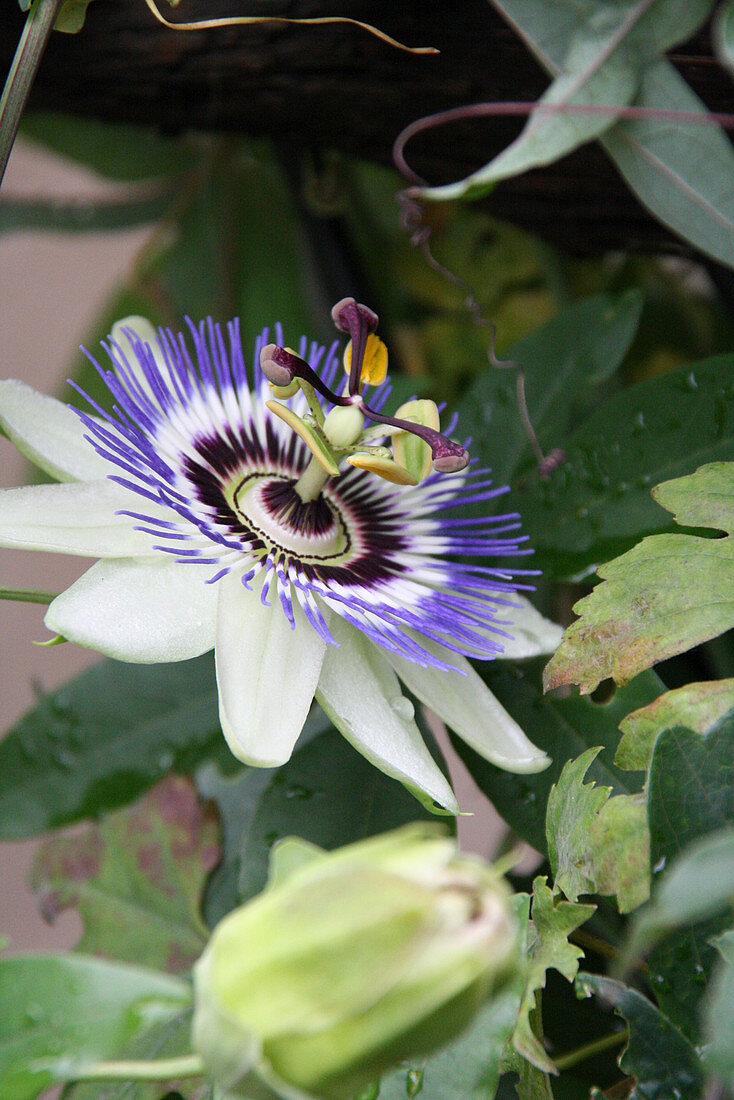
(270, 506)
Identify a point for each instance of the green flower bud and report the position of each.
(350, 962)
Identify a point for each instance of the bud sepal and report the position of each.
(350, 962)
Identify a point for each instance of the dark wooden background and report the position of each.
(336, 86)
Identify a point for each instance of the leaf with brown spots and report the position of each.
(666, 595)
(136, 878)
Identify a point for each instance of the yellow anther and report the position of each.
(374, 365)
(383, 467)
(285, 391)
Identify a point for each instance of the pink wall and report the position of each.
(51, 288)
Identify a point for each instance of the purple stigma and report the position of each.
(359, 321)
(448, 456)
(281, 366)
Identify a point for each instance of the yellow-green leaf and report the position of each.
(666, 595)
(698, 707)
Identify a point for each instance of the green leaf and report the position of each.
(60, 1013)
(532, 1083)
(658, 1056)
(237, 798)
(563, 728)
(597, 54)
(167, 1039)
(573, 806)
(597, 503)
(681, 172)
(697, 885)
(136, 879)
(663, 597)
(239, 223)
(468, 1068)
(619, 842)
(72, 14)
(103, 739)
(698, 707)
(690, 794)
(597, 844)
(547, 947)
(79, 216)
(327, 794)
(719, 1013)
(586, 343)
(115, 150)
(594, 73)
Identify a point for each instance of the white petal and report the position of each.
(140, 326)
(362, 696)
(267, 674)
(74, 518)
(49, 433)
(140, 610)
(145, 331)
(467, 705)
(532, 633)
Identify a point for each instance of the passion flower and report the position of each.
(318, 546)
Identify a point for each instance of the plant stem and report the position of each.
(38, 27)
(27, 595)
(160, 1069)
(594, 943)
(597, 1046)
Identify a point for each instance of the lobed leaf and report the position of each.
(666, 595)
(136, 878)
(697, 885)
(547, 947)
(698, 707)
(597, 844)
(719, 1013)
